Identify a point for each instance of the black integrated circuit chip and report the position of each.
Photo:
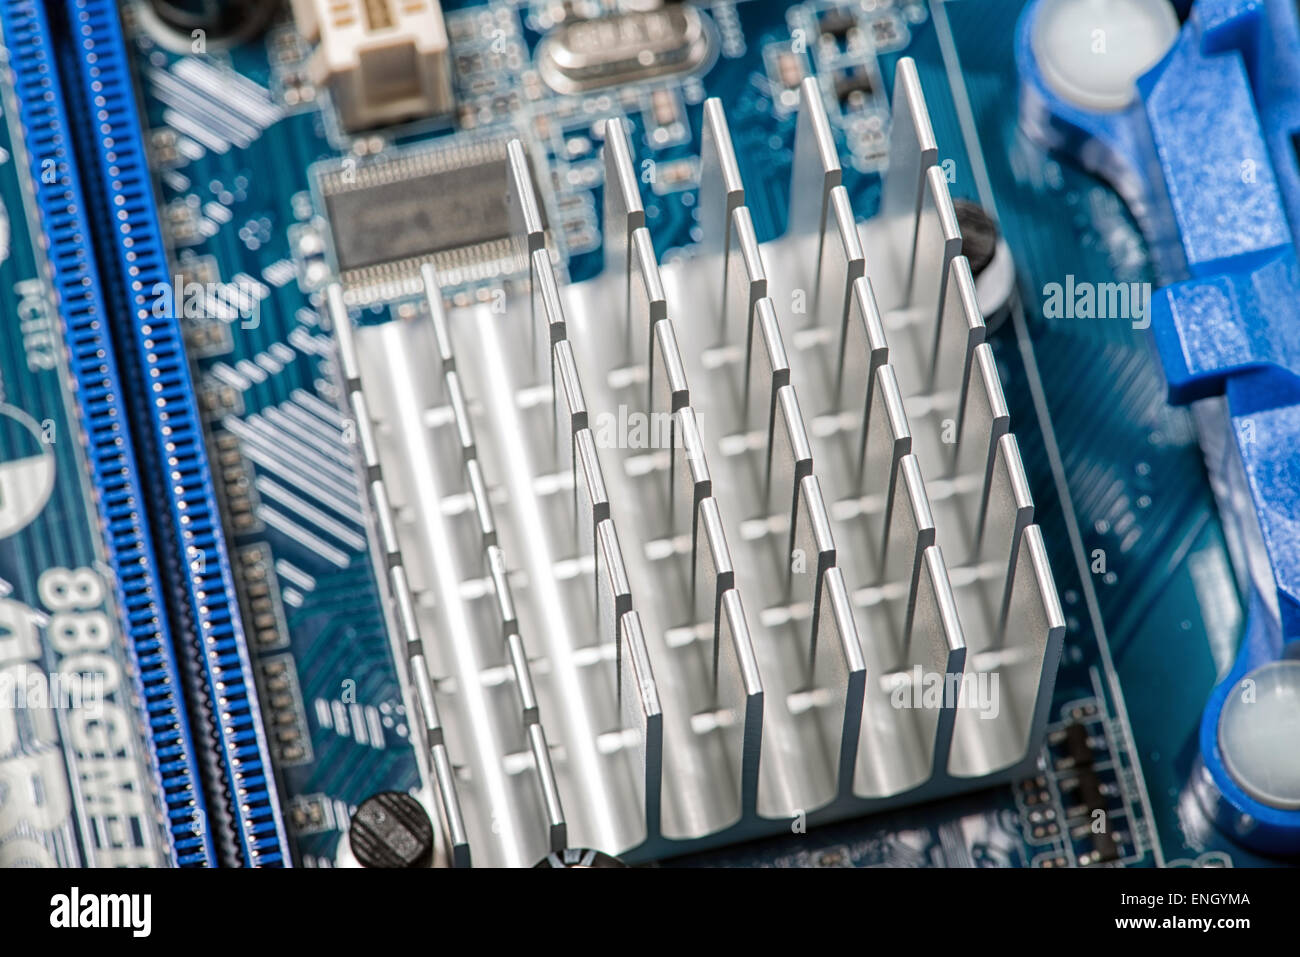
(445, 206)
(419, 215)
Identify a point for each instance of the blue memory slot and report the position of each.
(133, 240)
(109, 445)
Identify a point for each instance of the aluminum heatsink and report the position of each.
(685, 555)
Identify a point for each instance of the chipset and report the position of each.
(445, 206)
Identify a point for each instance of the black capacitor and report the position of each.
(979, 234)
(217, 18)
(391, 829)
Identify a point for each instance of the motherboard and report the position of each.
(592, 433)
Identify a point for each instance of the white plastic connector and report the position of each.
(384, 61)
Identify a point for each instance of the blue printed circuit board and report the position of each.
(250, 658)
